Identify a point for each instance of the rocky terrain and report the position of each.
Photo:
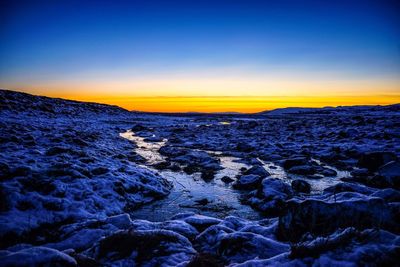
(86, 184)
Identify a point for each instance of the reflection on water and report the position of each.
(148, 150)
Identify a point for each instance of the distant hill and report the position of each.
(331, 110)
(21, 102)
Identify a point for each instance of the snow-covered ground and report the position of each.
(86, 184)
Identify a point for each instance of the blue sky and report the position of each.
(50, 42)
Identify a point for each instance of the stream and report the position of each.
(214, 198)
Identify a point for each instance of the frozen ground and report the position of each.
(87, 185)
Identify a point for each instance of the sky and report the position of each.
(176, 56)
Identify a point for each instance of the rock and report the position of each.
(302, 170)
(153, 139)
(328, 172)
(363, 172)
(389, 195)
(227, 179)
(57, 150)
(138, 128)
(37, 256)
(270, 197)
(244, 147)
(301, 186)
(204, 259)
(257, 170)
(171, 151)
(348, 187)
(202, 201)
(122, 221)
(388, 176)
(371, 247)
(289, 163)
(247, 182)
(21, 171)
(373, 160)
(149, 246)
(241, 246)
(200, 222)
(324, 216)
(99, 170)
(207, 175)
(4, 171)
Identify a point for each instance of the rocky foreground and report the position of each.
(325, 183)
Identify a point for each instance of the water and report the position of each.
(190, 189)
(317, 185)
(221, 199)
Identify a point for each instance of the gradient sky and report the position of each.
(203, 55)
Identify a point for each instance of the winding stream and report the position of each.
(215, 198)
(191, 191)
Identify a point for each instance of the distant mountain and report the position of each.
(329, 110)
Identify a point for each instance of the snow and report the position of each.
(89, 184)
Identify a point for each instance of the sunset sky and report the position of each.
(207, 56)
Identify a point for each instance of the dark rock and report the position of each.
(301, 186)
(227, 179)
(4, 201)
(348, 187)
(373, 160)
(38, 184)
(207, 175)
(57, 150)
(147, 245)
(323, 217)
(257, 170)
(36, 256)
(289, 163)
(247, 182)
(153, 139)
(302, 170)
(205, 260)
(100, 170)
(244, 147)
(360, 172)
(138, 128)
(21, 171)
(388, 176)
(389, 195)
(242, 246)
(203, 201)
(4, 171)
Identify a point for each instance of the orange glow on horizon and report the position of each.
(240, 104)
(244, 104)
(221, 95)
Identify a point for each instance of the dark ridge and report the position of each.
(21, 102)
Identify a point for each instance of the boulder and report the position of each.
(373, 160)
(301, 186)
(296, 161)
(324, 216)
(257, 170)
(270, 197)
(247, 182)
(302, 170)
(36, 256)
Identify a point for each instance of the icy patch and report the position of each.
(318, 184)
